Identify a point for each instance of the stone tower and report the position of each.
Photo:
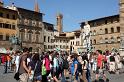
(1, 3)
(122, 27)
(59, 22)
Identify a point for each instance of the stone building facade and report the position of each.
(105, 33)
(30, 24)
(48, 36)
(8, 25)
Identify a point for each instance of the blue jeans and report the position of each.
(63, 77)
(74, 77)
(88, 76)
(5, 67)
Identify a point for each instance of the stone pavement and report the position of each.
(9, 76)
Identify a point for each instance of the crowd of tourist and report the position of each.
(56, 66)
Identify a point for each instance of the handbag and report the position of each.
(43, 70)
(16, 76)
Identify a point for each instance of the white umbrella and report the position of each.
(3, 50)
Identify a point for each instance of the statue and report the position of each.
(86, 36)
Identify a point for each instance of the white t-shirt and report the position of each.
(17, 59)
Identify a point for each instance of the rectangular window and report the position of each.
(7, 37)
(7, 26)
(13, 27)
(44, 38)
(1, 25)
(22, 36)
(1, 37)
(13, 17)
(77, 36)
(7, 16)
(1, 14)
(30, 37)
(37, 38)
(48, 39)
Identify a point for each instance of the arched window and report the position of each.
(118, 39)
(101, 32)
(94, 41)
(94, 32)
(112, 39)
(91, 33)
(112, 30)
(101, 40)
(37, 37)
(106, 31)
(91, 41)
(118, 29)
(106, 40)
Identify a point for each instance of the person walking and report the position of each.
(55, 64)
(46, 63)
(100, 75)
(112, 63)
(73, 68)
(5, 63)
(35, 68)
(17, 60)
(23, 68)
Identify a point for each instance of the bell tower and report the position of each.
(59, 22)
(36, 7)
(1, 3)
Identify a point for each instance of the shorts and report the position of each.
(99, 71)
(38, 78)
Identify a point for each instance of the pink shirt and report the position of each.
(46, 63)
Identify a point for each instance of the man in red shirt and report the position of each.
(100, 59)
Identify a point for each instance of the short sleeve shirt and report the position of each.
(99, 60)
(72, 66)
(21, 68)
(38, 67)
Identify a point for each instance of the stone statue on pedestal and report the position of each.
(86, 36)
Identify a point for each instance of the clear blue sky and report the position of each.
(74, 11)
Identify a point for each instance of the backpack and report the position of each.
(47, 64)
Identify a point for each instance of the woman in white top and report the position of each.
(17, 61)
